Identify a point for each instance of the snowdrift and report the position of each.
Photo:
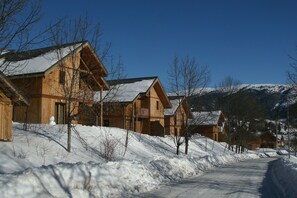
(36, 163)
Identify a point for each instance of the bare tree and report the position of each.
(228, 87)
(74, 71)
(17, 18)
(186, 79)
(241, 110)
(292, 74)
(115, 73)
(292, 78)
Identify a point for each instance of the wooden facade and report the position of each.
(48, 90)
(176, 117)
(209, 124)
(141, 109)
(9, 96)
(262, 140)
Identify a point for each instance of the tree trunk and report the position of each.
(177, 149)
(101, 107)
(69, 136)
(206, 144)
(68, 121)
(126, 142)
(187, 145)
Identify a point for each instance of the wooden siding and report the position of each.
(207, 131)
(114, 115)
(33, 112)
(45, 91)
(5, 119)
(174, 123)
(51, 82)
(156, 107)
(31, 87)
(212, 131)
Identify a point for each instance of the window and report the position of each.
(62, 77)
(106, 123)
(220, 129)
(60, 113)
(157, 105)
(175, 120)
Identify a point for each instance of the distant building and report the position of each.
(210, 124)
(264, 140)
(176, 116)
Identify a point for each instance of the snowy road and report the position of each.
(252, 178)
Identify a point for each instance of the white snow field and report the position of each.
(36, 163)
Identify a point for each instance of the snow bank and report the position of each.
(36, 163)
(79, 180)
(104, 179)
(285, 176)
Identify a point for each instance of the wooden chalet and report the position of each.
(136, 104)
(9, 96)
(176, 116)
(263, 140)
(210, 124)
(39, 74)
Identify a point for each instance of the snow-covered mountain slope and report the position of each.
(275, 98)
(36, 163)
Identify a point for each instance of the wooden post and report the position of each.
(133, 116)
(124, 118)
(136, 113)
(101, 107)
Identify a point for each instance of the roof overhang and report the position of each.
(10, 91)
(95, 67)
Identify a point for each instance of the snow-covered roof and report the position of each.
(35, 61)
(126, 90)
(205, 118)
(171, 111)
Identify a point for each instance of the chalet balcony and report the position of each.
(142, 113)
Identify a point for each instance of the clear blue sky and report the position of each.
(249, 40)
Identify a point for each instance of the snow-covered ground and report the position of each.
(285, 175)
(36, 163)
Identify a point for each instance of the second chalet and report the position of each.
(210, 124)
(176, 116)
(136, 104)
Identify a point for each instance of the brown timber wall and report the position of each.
(5, 119)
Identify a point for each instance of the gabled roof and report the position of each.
(205, 118)
(10, 91)
(175, 101)
(40, 62)
(128, 90)
(35, 61)
(175, 104)
(41, 59)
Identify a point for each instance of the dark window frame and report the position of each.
(62, 75)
